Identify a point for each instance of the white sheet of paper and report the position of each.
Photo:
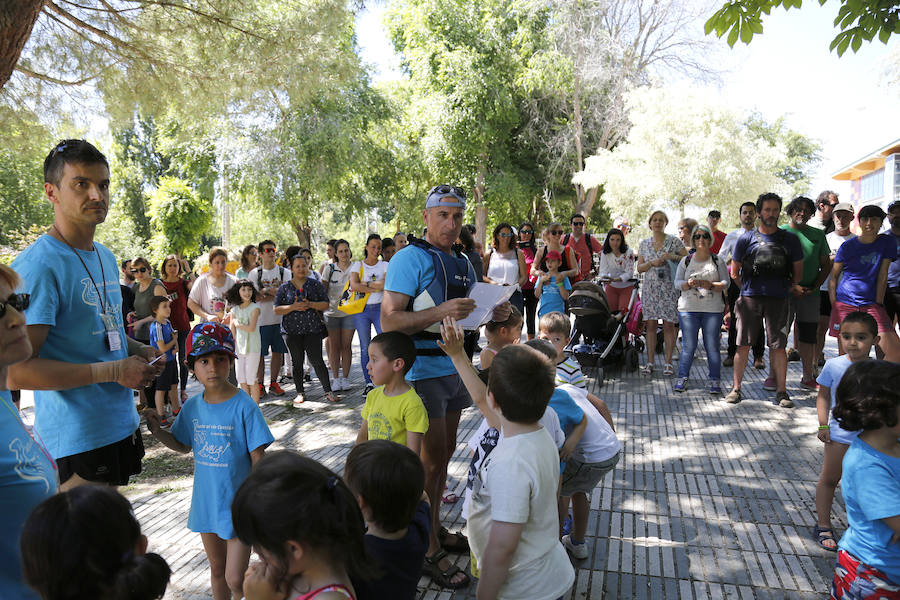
(486, 296)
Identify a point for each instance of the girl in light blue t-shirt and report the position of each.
(228, 434)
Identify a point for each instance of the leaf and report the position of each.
(884, 35)
(857, 42)
(733, 36)
(746, 34)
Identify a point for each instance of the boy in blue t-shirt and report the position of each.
(859, 332)
(552, 289)
(163, 339)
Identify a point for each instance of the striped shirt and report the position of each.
(569, 371)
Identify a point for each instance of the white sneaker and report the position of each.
(342, 384)
(579, 551)
(345, 383)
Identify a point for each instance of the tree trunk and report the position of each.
(585, 206)
(226, 213)
(480, 208)
(16, 22)
(579, 150)
(303, 231)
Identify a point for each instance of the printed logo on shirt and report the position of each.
(380, 427)
(869, 259)
(209, 445)
(90, 298)
(28, 462)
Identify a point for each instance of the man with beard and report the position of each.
(768, 263)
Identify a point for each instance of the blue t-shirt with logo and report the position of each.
(859, 278)
(27, 477)
(551, 299)
(410, 272)
(871, 486)
(62, 296)
(221, 437)
(745, 248)
(162, 332)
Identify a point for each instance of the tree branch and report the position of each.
(115, 41)
(50, 79)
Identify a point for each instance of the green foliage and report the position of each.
(179, 217)
(859, 21)
(801, 154)
(22, 200)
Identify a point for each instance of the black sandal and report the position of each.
(825, 533)
(459, 544)
(431, 567)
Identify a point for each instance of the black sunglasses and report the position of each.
(448, 189)
(702, 236)
(528, 231)
(556, 232)
(577, 223)
(17, 301)
(140, 270)
(505, 234)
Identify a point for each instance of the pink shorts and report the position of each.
(839, 310)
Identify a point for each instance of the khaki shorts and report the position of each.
(755, 311)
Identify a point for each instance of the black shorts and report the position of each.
(112, 464)
(892, 302)
(168, 378)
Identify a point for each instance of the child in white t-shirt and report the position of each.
(513, 522)
(247, 340)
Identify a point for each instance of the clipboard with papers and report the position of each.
(487, 297)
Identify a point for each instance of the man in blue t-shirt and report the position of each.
(768, 264)
(435, 379)
(83, 363)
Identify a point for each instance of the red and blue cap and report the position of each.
(206, 338)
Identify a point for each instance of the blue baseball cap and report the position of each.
(446, 196)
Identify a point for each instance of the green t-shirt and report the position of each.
(814, 246)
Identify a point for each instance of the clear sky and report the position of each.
(788, 70)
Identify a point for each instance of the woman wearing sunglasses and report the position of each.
(529, 250)
(703, 280)
(553, 241)
(27, 473)
(145, 287)
(505, 263)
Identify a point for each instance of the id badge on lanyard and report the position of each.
(113, 339)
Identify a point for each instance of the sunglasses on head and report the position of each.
(17, 301)
(702, 236)
(447, 189)
(140, 270)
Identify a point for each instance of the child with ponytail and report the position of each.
(86, 543)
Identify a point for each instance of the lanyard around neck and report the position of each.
(102, 274)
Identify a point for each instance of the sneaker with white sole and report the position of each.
(579, 551)
(769, 384)
(678, 386)
(715, 388)
(346, 383)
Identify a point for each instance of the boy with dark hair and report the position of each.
(513, 522)
(713, 218)
(554, 327)
(388, 481)
(393, 410)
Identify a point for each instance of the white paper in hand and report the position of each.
(487, 297)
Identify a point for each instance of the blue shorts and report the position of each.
(270, 337)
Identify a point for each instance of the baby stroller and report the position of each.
(608, 340)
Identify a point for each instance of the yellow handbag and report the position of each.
(353, 303)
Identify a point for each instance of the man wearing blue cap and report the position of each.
(426, 282)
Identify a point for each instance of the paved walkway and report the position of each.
(709, 500)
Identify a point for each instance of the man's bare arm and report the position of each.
(395, 316)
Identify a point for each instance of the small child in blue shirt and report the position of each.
(228, 434)
(868, 561)
(163, 339)
(858, 333)
(552, 289)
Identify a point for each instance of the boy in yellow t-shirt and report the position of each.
(393, 411)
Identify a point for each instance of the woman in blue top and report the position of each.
(27, 473)
(859, 280)
(868, 562)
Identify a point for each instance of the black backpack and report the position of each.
(770, 260)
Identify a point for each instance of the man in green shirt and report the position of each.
(805, 304)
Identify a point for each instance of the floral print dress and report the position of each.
(658, 294)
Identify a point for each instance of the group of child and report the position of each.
(545, 441)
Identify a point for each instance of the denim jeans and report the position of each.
(691, 323)
(371, 315)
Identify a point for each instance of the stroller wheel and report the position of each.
(631, 359)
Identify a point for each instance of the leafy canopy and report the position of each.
(859, 20)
